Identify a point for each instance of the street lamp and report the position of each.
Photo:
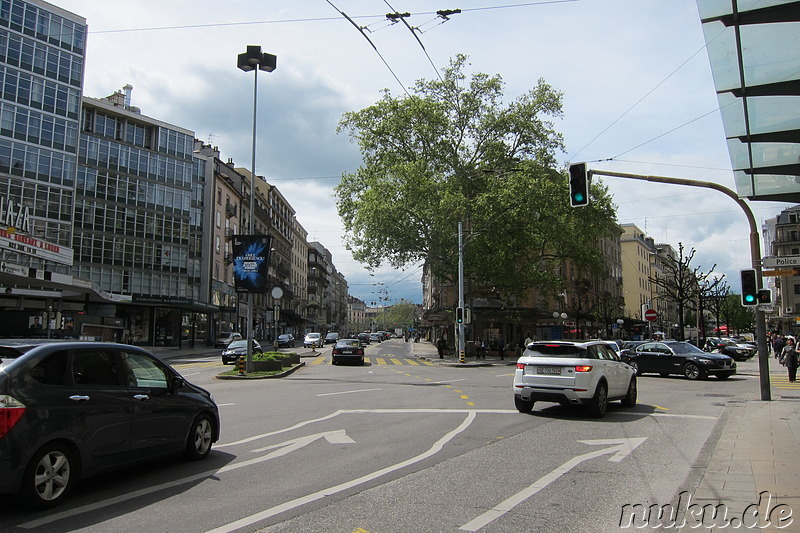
(253, 59)
(619, 327)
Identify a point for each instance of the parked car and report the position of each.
(286, 341)
(225, 338)
(363, 338)
(237, 349)
(69, 410)
(331, 338)
(313, 340)
(347, 350)
(739, 351)
(675, 357)
(587, 373)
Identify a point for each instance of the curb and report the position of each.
(273, 376)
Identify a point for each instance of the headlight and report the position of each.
(706, 361)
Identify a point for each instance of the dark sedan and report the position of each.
(286, 341)
(74, 409)
(674, 357)
(739, 351)
(347, 350)
(237, 349)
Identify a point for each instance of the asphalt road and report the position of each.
(399, 445)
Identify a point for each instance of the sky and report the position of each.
(638, 98)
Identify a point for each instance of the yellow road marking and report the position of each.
(396, 361)
(382, 361)
(412, 362)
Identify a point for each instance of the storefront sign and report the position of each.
(11, 241)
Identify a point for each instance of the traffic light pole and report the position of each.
(461, 342)
(755, 258)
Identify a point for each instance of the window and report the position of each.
(51, 370)
(142, 371)
(94, 367)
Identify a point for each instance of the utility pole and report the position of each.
(755, 258)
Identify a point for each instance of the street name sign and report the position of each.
(786, 272)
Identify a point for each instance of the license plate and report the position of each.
(347, 352)
(548, 370)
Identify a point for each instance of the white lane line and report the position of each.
(448, 381)
(297, 502)
(347, 392)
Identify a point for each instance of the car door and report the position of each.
(161, 416)
(613, 368)
(646, 357)
(98, 406)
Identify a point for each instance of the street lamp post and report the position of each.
(253, 59)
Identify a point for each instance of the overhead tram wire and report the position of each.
(402, 18)
(361, 31)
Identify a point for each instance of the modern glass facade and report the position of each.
(133, 199)
(41, 74)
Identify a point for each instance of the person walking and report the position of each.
(441, 345)
(778, 345)
(789, 358)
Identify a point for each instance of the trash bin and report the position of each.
(470, 349)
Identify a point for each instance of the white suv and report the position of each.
(573, 372)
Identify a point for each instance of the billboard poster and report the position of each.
(251, 262)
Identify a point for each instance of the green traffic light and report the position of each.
(578, 197)
(750, 298)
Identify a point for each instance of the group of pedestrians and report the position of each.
(784, 347)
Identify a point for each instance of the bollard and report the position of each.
(240, 365)
(461, 358)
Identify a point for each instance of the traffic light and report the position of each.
(749, 287)
(578, 185)
(459, 315)
(764, 296)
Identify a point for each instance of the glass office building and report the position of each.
(42, 52)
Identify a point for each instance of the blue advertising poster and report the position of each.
(251, 262)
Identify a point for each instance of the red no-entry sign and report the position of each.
(651, 315)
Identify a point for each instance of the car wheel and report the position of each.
(224, 360)
(198, 445)
(49, 476)
(523, 406)
(333, 361)
(723, 375)
(630, 398)
(599, 402)
(692, 371)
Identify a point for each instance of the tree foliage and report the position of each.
(450, 152)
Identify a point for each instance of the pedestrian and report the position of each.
(528, 340)
(480, 350)
(501, 348)
(441, 345)
(789, 358)
(778, 345)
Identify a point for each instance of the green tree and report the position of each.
(450, 152)
(738, 317)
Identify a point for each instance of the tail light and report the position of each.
(520, 366)
(583, 368)
(335, 351)
(11, 410)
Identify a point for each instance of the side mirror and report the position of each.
(178, 382)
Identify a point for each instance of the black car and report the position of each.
(286, 341)
(674, 357)
(237, 349)
(738, 351)
(363, 338)
(347, 350)
(70, 410)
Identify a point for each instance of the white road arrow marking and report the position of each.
(333, 437)
(621, 448)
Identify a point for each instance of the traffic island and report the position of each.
(265, 366)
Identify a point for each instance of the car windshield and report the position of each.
(313, 335)
(283, 336)
(238, 344)
(685, 348)
(559, 350)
